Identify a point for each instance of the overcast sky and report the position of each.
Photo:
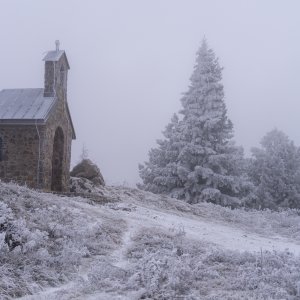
(131, 60)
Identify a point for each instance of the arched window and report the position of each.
(1, 149)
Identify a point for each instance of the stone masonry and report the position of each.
(38, 153)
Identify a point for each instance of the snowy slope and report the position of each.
(154, 228)
(221, 233)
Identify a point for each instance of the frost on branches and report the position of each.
(197, 160)
(275, 171)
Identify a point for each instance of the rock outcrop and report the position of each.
(87, 169)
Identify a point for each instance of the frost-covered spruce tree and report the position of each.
(275, 171)
(160, 173)
(197, 160)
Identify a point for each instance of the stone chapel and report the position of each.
(36, 130)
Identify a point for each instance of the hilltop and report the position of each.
(124, 243)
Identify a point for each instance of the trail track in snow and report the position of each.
(198, 228)
(139, 215)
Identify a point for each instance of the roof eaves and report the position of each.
(22, 122)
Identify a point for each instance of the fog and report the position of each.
(131, 61)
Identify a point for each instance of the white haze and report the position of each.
(131, 60)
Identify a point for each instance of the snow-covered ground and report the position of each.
(223, 234)
(159, 245)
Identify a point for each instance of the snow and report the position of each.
(137, 212)
(197, 160)
(119, 256)
(275, 170)
(198, 228)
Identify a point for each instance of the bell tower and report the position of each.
(56, 72)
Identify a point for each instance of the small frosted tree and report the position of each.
(160, 173)
(275, 171)
(197, 160)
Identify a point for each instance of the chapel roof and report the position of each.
(24, 106)
(55, 55)
(27, 107)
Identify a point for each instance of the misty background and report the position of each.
(131, 61)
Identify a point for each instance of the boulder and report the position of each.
(87, 169)
(82, 185)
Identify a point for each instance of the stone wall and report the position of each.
(55, 78)
(19, 154)
(59, 119)
(27, 159)
(28, 149)
(49, 79)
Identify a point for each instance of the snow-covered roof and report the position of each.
(24, 106)
(55, 56)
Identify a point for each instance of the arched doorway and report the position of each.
(57, 160)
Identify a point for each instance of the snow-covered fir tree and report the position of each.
(160, 174)
(197, 160)
(275, 171)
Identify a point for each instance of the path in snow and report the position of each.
(227, 236)
(139, 216)
(119, 256)
(199, 228)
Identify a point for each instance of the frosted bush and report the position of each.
(5, 214)
(54, 239)
(204, 271)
